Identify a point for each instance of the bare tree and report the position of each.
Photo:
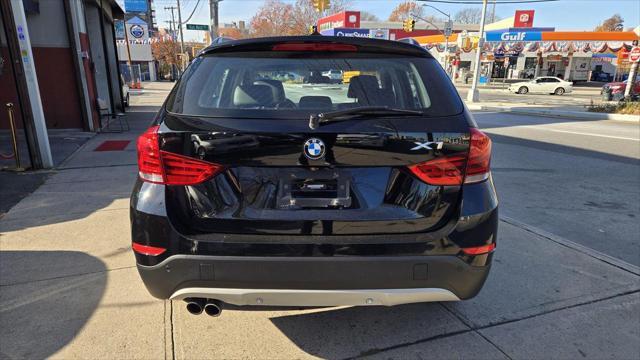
(614, 23)
(405, 9)
(468, 16)
(274, 18)
(305, 15)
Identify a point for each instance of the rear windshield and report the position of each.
(294, 85)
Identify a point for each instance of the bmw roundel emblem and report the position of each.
(314, 149)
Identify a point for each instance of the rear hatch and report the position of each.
(241, 155)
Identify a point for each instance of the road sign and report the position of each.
(197, 27)
(448, 28)
(634, 54)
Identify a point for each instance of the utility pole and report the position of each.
(126, 41)
(181, 36)
(173, 21)
(170, 28)
(631, 80)
(493, 12)
(213, 14)
(474, 94)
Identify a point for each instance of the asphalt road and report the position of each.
(579, 98)
(575, 179)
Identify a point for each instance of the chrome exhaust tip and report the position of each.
(213, 308)
(195, 305)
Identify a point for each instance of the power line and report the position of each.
(193, 12)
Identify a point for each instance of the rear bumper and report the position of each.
(315, 281)
(280, 297)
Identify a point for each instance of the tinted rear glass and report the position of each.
(294, 85)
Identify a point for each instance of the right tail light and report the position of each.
(451, 170)
(479, 161)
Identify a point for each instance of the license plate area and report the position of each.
(320, 189)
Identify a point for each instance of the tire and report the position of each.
(201, 152)
(559, 91)
(523, 90)
(126, 101)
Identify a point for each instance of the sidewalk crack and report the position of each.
(472, 329)
(476, 329)
(173, 341)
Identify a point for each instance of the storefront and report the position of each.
(527, 54)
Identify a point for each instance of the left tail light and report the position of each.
(162, 167)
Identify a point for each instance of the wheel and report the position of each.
(559, 91)
(201, 152)
(523, 90)
(126, 101)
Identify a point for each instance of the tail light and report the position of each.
(479, 162)
(162, 167)
(147, 250)
(451, 170)
(479, 250)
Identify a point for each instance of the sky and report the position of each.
(563, 14)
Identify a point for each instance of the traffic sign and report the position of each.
(197, 27)
(634, 54)
(448, 28)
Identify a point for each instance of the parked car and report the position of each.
(543, 85)
(375, 193)
(614, 91)
(335, 75)
(600, 76)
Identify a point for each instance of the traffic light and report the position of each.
(321, 5)
(408, 25)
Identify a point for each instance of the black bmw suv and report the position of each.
(263, 182)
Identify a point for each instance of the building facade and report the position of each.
(57, 58)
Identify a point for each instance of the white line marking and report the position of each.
(557, 130)
(581, 133)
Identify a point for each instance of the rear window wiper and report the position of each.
(372, 111)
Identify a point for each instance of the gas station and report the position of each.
(514, 49)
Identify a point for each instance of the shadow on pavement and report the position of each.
(43, 315)
(355, 331)
(517, 119)
(568, 150)
(86, 182)
(14, 186)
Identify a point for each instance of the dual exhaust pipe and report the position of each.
(211, 307)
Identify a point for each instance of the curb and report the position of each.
(557, 113)
(621, 264)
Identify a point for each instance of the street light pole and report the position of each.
(181, 36)
(447, 32)
(446, 38)
(474, 95)
(213, 14)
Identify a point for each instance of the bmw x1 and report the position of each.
(259, 189)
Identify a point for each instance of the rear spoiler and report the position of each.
(361, 44)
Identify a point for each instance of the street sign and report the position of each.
(634, 54)
(448, 28)
(197, 27)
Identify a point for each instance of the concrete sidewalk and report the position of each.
(571, 112)
(69, 289)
